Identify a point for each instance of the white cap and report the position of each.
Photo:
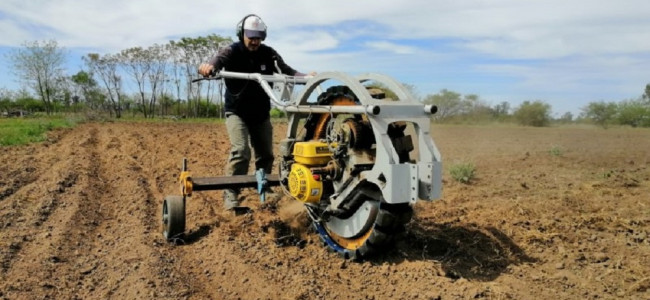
(254, 27)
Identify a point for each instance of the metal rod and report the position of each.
(231, 182)
(351, 109)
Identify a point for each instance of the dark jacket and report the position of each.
(246, 98)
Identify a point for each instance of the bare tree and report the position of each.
(137, 63)
(106, 68)
(191, 52)
(175, 55)
(157, 55)
(40, 66)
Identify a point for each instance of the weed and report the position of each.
(463, 172)
(555, 151)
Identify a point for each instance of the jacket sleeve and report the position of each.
(286, 69)
(222, 58)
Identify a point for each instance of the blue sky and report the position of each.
(566, 53)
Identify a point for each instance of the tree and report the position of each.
(28, 103)
(147, 67)
(413, 90)
(634, 113)
(449, 103)
(475, 109)
(6, 102)
(188, 54)
(646, 95)
(138, 63)
(501, 109)
(157, 74)
(567, 117)
(600, 113)
(456, 107)
(106, 68)
(40, 66)
(536, 113)
(84, 88)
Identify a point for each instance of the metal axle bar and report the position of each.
(231, 182)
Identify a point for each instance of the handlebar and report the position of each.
(288, 106)
(258, 77)
(263, 80)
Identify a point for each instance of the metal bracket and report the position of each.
(186, 180)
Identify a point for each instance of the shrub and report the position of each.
(555, 151)
(535, 113)
(277, 113)
(635, 113)
(463, 172)
(600, 113)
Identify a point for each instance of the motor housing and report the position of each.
(304, 185)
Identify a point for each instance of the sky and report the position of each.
(566, 53)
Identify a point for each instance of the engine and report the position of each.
(304, 184)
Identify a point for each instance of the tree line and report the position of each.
(160, 75)
(157, 81)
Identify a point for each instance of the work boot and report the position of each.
(230, 200)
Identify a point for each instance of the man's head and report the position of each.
(252, 31)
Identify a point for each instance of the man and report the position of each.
(247, 105)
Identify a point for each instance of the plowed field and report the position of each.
(554, 213)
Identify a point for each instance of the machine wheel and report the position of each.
(375, 225)
(173, 217)
(387, 226)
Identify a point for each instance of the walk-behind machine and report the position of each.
(357, 160)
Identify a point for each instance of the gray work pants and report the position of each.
(260, 138)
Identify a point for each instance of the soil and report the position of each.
(561, 213)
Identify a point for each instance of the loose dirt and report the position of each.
(560, 213)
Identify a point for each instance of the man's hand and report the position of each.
(206, 69)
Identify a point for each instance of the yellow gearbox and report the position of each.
(303, 186)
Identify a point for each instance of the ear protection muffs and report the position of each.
(240, 27)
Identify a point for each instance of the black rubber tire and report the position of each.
(389, 228)
(173, 217)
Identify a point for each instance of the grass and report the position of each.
(20, 131)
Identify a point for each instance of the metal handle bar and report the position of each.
(258, 77)
(368, 108)
(262, 79)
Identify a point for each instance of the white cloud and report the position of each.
(525, 49)
(305, 41)
(391, 47)
(522, 28)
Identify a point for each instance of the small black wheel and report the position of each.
(173, 217)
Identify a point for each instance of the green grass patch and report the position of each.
(463, 172)
(20, 131)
